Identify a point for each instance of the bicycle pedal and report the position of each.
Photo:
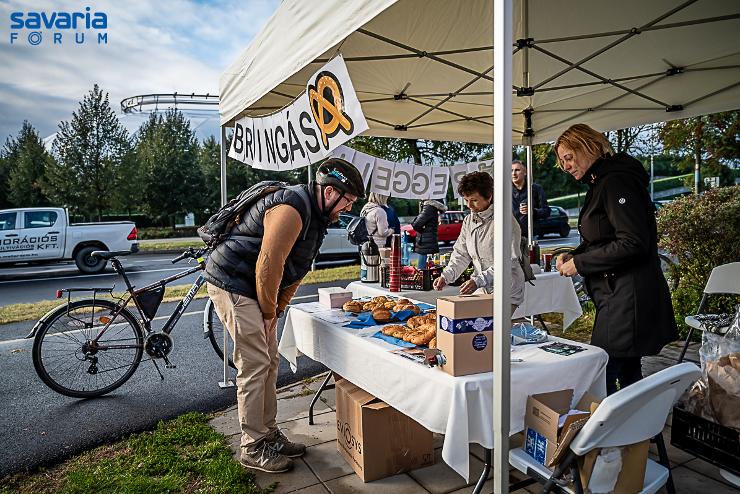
(168, 364)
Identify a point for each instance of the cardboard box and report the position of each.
(377, 440)
(548, 444)
(334, 297)
(632, 476)
(545, 440)
(465, 333)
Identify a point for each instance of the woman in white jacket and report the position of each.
(376, 219)
(475, 243)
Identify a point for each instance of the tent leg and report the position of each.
(223, 166)
(484, 474)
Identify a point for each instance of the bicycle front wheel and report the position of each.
(82, 351)
(216, 331)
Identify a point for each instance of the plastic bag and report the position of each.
(523, 333)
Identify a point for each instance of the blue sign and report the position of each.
(55, 28)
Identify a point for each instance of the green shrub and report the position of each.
(157, 232)
(700, 232)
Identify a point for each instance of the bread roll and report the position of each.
(381, 315)
(352, 306)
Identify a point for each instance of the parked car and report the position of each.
(450, 224)
(45, 234)
(336, 245)
(557, 222)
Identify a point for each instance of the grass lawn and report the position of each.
(24, 312)
(181, 455)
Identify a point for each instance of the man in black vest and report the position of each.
(251, 281)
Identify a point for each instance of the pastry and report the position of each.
(381, 315)
(369, 306)
(352, 306)
(398, 333)
(389, 305)
(404, 301)
(415, 308)
(433, 342)
(415, 321)
(379, 300)
(391, 329)
(427, 328)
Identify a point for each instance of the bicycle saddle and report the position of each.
(106, 254)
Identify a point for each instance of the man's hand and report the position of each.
(568, 268)
(468, 287)
(562, 259)
(523, 208)
(439, 283)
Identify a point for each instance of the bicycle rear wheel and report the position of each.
(216, 330)
(69, 360)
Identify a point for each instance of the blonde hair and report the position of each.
(583, 139)
(378, 199)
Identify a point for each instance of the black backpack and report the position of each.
(219, 226)
(357, 231)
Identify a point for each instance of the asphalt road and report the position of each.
(40, 427)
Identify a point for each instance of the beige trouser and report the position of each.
(256, 359)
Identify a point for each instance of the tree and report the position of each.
(171, 180)
(90, 150)
(22, 168)
(712, 141)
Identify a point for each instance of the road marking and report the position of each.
(91, 275)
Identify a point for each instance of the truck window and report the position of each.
(39, 219)
(7, 221)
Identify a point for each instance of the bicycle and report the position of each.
(88, 348)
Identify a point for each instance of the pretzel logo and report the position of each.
(327, 106)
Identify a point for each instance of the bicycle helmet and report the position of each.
(341, 175)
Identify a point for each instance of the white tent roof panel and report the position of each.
(383, 40)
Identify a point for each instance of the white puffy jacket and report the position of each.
(475, 244)
(376, 221)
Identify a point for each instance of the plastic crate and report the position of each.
(421, 281)
(709, 441)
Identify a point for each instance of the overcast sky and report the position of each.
(153, 47)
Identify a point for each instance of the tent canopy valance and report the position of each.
(424, 68)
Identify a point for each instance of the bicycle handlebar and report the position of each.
(190, 253)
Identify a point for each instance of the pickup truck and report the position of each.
(45, 234)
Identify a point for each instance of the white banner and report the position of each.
(325, 116)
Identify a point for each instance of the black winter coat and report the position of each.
(427, 230)
(618, 257)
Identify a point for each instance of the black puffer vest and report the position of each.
(231, 265)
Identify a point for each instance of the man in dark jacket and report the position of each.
(426, 225)
(519, 198)
(618, 255)
(251, 278)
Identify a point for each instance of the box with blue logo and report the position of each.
(465, 333)
(551, 422)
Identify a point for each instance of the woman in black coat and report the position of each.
(618, 254)
(427, 227)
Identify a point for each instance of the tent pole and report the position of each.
(530, 211)
(224, 199)
(502, 104)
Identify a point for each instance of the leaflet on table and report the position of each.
(332, 316)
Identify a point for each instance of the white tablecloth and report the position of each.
(459, 407)
(550, 293)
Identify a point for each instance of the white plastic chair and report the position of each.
(633, 414)
(723, 279)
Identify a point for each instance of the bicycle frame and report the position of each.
(134, 293)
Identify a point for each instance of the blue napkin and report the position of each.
(392, 340)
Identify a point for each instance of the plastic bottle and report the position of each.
(405, 249)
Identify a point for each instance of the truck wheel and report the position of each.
(88, 264)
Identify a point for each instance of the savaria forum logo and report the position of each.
(58, 28)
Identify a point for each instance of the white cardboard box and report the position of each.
(334, 297)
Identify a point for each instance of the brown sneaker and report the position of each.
(263, 456)
(285, 446)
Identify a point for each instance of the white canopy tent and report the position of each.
(425, 69)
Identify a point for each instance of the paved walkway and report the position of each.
(323, 470)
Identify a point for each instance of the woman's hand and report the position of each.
(439, 283)
(468, 287)
(568, 268)
(562, 259)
